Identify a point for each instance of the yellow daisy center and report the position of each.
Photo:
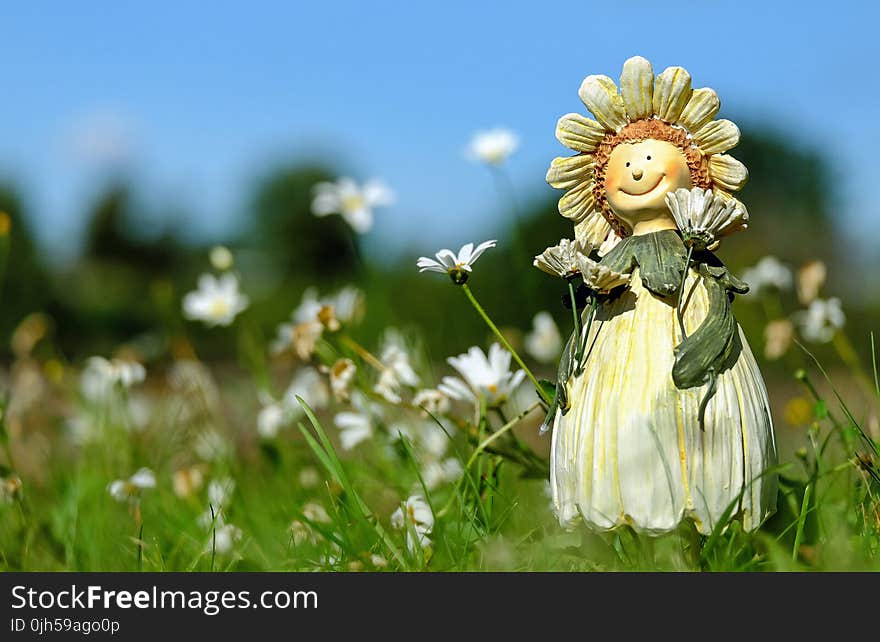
(219, 308)
(352, 202)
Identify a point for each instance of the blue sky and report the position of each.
(198, 99)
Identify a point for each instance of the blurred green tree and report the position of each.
(25, 285)
(294, 239)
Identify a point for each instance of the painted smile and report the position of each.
(651, 189)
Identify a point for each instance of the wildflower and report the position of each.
(101, 376)
(356, 426)
(482, 376)
(301, 531)
(316, 513)
(220, 492)
(309, 385)
(271, 418)
(221, 258)
(493, 146)
(821, 320)
(187, 481)
(704, 217)
(562, 259)
(777, 338)
(415, 516)
(437, 473)
(313, 316)
(457, 266)
(397, 370)
(353, 202)
(216, 301)
(769, 273)
(129, 490)
(224, 538)
(810, 279)
(342, 374)
(544, 342)
(433, 440)
(10, 488)
(431, 401)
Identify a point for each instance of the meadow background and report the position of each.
(135, 140)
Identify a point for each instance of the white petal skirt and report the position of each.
(630, 449)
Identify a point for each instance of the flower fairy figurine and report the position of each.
(661, 413)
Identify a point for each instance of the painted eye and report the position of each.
(649, 158)
(627, 164)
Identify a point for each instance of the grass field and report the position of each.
(188, 466)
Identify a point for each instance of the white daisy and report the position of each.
(356, 426)
(458, 266)
(437, 473)
(544, 342)
(415, 516)
(342, 374)
(271, 419)
(397, 370)
(431, 401)
(769, 273)
(10, 489)
(482, 376)
(355, 203)
(187, 481)
(224, 538)
(101, 376)
(129, 490)
(821, 320)
(216, 301)
(493, 146)
(311, 387)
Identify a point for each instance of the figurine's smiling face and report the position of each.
(638, 177)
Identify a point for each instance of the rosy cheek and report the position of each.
(672, 170)
(612, 178)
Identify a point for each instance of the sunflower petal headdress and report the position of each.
(664, 107)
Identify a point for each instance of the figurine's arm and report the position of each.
(711, 348)
(662, 259)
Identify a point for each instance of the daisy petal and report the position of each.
(599, 94)
(727, 172)
(482, 247)
(464, 254)
(637, 87)
(579, 133)
(577, 203)
(717, 136)
(700, 109)
(568, 171)
(672, 91)
(593, 230)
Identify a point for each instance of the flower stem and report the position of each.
(582, 345)
(574, 310)
(504, 342)
(362, 352)
(679, 310)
